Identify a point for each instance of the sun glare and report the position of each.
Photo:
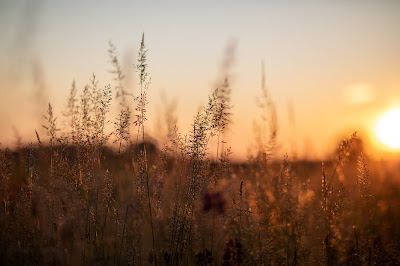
(388, 128)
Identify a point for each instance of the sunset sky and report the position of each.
(335, 64)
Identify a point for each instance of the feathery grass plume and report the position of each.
(197, 150)
(101, 114)
(142, 64)
(88, 125)
(221, 112)
(363, 180)
(198, 137)
(85, 118)
(72, 108)
(88, 136)
(343, 154)
(83, 133)
(344, 148)
(194, 149)
(268, 187)
(141, 114)
(121, 126)
(202, 129)
(121, 93)
(267, 128)
(222, 107)
(144, 85)
(140, 121)
(100, 101)
(96, 114)
(178, 221)
(80, 127)
(51, 129)
(104, 109)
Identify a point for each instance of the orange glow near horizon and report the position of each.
(326, 77)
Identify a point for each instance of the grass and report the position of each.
(70, 199)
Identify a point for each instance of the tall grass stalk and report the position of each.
(141, 108)
(51, 129)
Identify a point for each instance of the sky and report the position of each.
(331, 67)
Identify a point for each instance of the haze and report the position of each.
(331, 68)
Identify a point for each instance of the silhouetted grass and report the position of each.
(69, 199)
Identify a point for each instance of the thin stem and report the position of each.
(147, 170)
(219, 133)
(240, 208)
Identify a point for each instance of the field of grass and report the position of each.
(70, 199)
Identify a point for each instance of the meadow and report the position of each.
(71, 199)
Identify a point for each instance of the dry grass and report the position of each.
(70, 199)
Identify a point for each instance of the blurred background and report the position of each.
(331, 68)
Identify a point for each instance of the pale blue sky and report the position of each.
(313, 51)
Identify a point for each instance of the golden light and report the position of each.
(388, 128)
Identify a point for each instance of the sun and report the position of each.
(388, 128)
